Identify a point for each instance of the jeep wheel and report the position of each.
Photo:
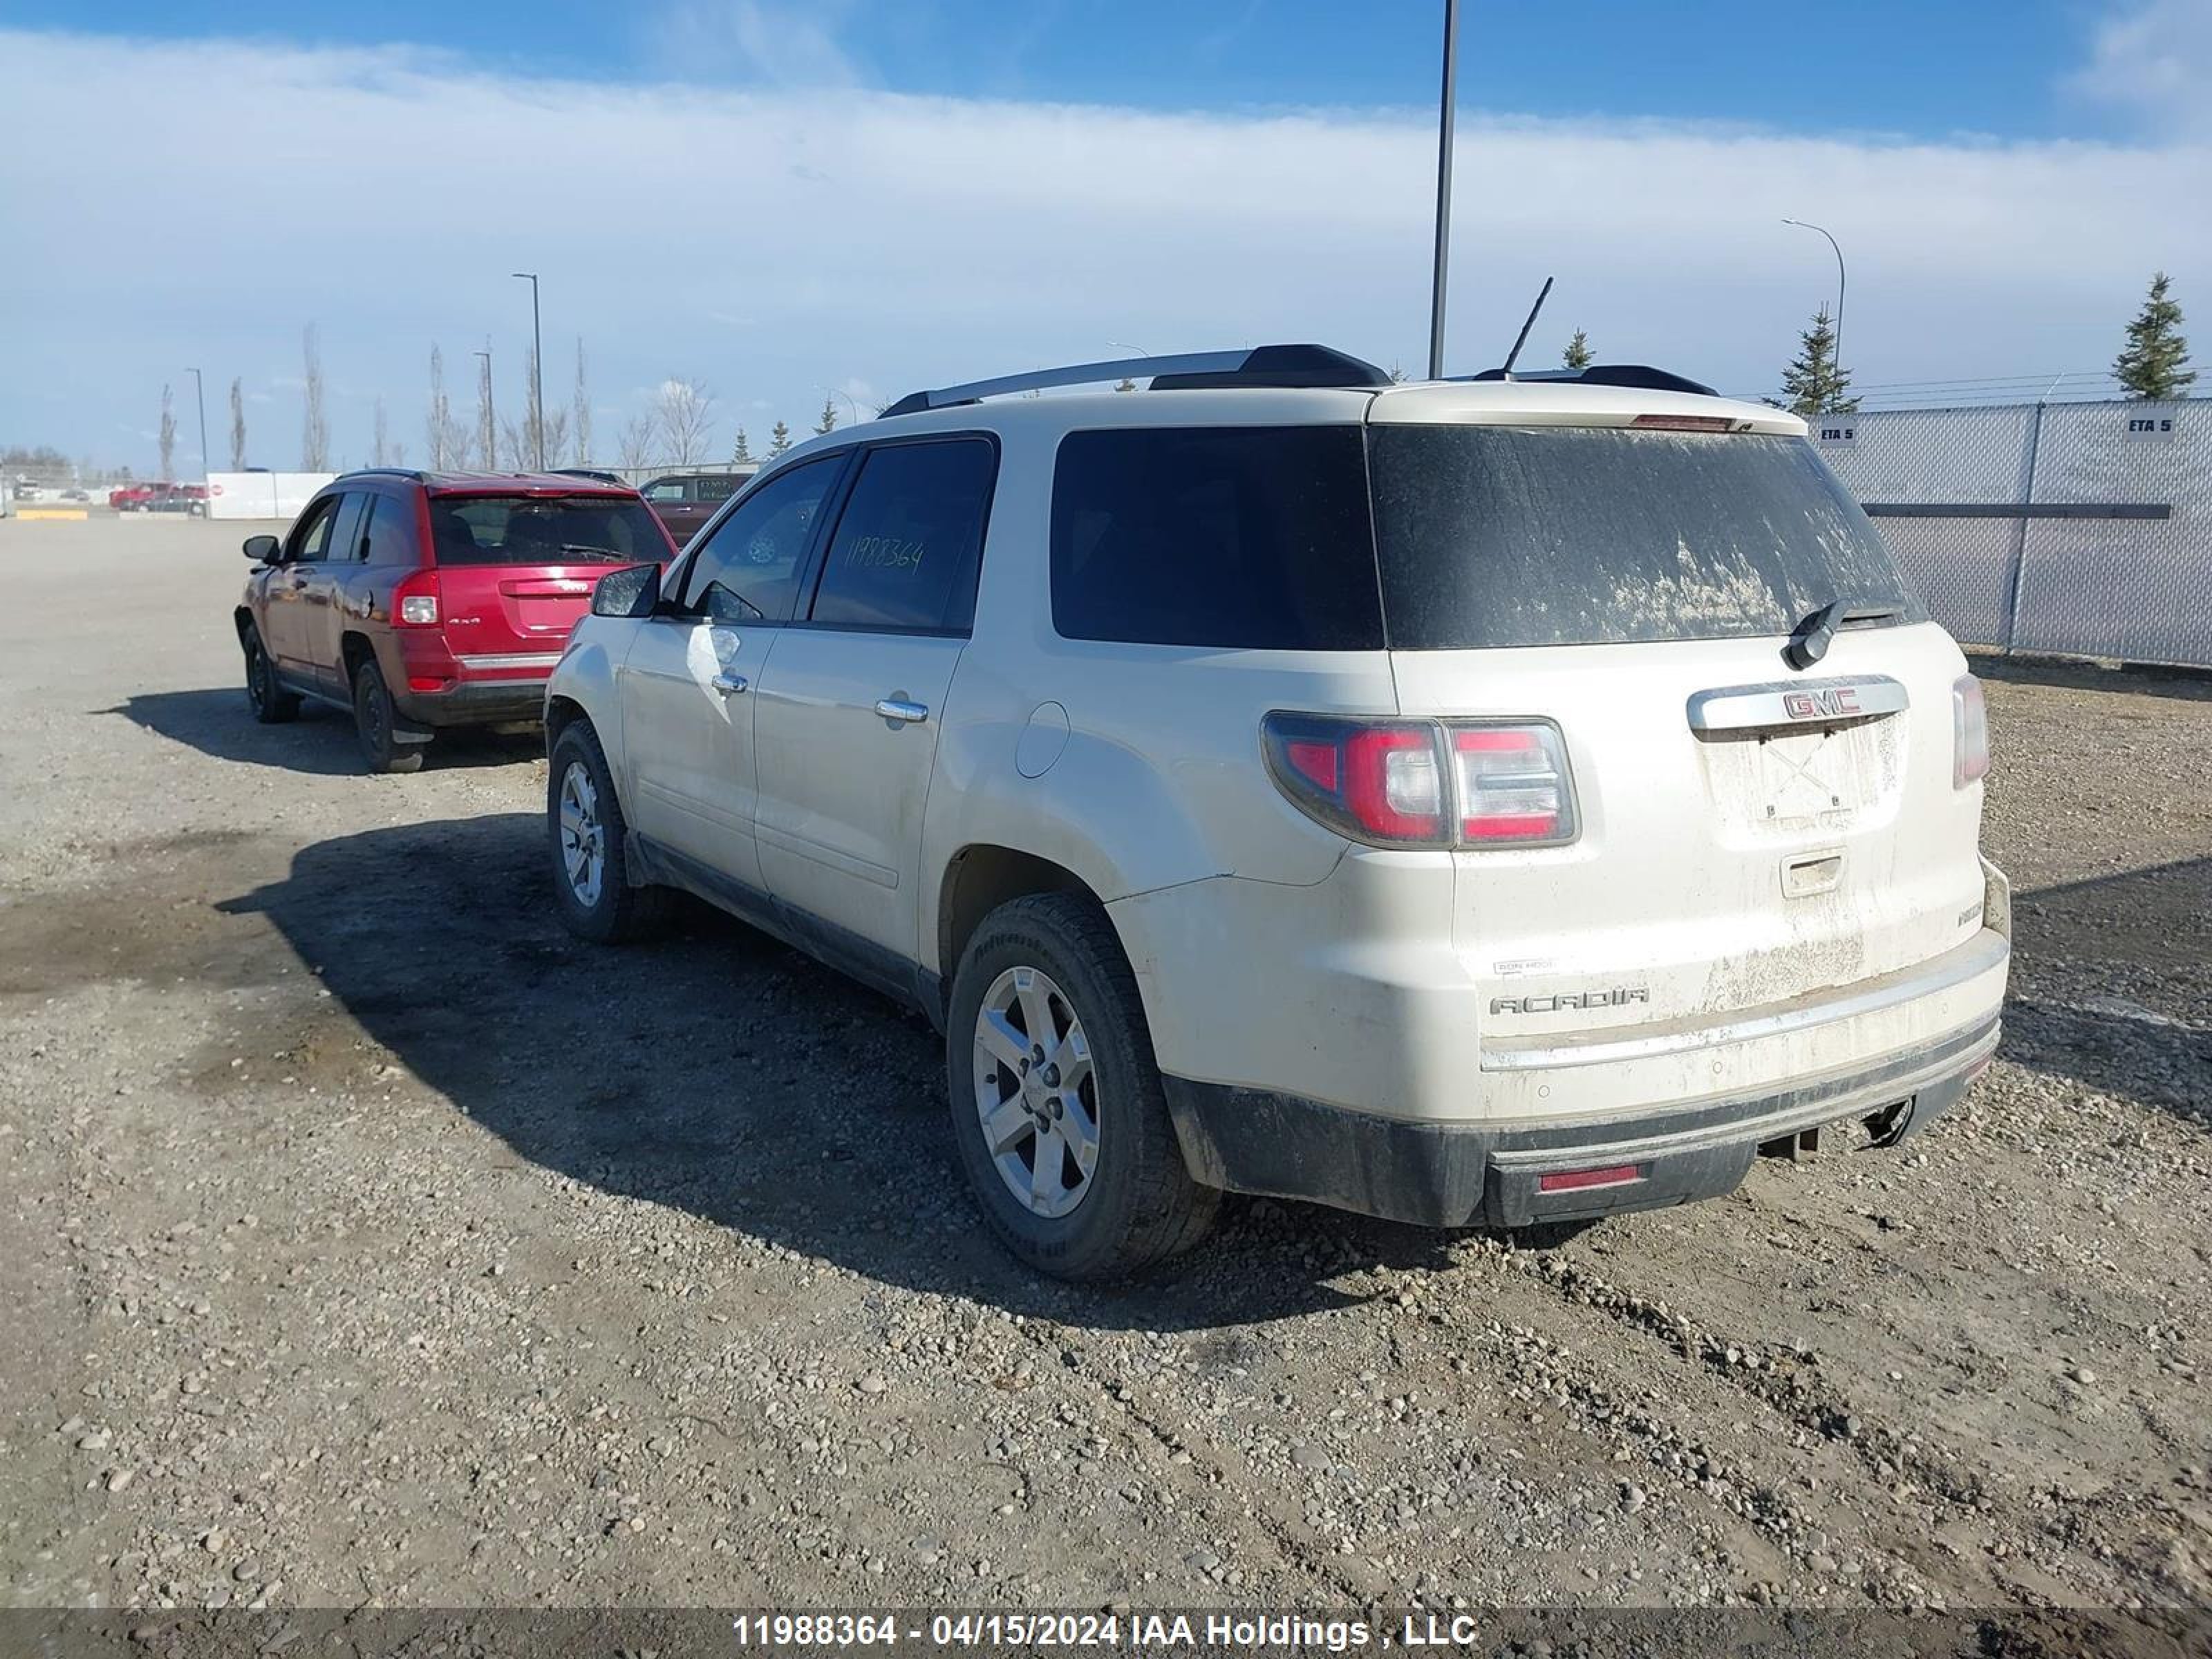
(272, 704)
(1057, 1106)
(585, 827)
(373, 719)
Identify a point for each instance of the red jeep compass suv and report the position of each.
(428, 600)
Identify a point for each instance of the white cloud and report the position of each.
(2152, 60)
(772, 241)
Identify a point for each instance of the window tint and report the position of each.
(908, 542)
(748, 569)
(544, 530)
(312, 539)
(1253, 538)
(386, 537)
(1495, 536)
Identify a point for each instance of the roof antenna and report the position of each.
(1542, 294)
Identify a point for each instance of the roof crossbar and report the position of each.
(1269, 365)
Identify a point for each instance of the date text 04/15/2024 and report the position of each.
(1129, 1632)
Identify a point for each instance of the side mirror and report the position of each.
(633, 591)
(264, 550)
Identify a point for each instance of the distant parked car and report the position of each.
(75, 495)
(130, 498)
(420, 600)
(685, 501)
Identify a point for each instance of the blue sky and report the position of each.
(844, 199)
(1892, 65)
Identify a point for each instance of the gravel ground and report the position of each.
(373, 1242)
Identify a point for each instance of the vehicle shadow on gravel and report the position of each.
(2186, 684)
(217, 721)
(720, 1073)
(2147, 931)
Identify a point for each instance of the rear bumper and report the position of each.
(1490, 1173)
(475, 702)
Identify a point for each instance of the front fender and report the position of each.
(585, 679)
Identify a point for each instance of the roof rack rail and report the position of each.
(1641, 377)
(1267, 365)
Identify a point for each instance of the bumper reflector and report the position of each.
(1573, 1181)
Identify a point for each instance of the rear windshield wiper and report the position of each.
(1810, 640)
(604, 555)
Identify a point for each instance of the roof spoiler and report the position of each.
(1641, 377)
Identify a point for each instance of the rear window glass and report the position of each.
(1502, 535)
(1252, 537)
(543, 530)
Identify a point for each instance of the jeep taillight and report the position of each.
(1969, 732)
(414, 601)
(1425, 783)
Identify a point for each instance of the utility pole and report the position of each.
(199, 390)
(1449, 98)
(491, 425)
(1836, 358)
(536, 368)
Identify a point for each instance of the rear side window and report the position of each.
(544, 530)
(1502, 536)
(909, 540)
(716, 489)
(1251, 538)
(387, 534)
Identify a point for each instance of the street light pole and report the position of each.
(199, 390)
(1123, 345)
(1446, 102)
(536, 368)
(491, 425)
(1802, 224)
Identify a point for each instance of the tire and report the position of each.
(372, 718)
(585, 830)
(271, 703)
(1135, 1204)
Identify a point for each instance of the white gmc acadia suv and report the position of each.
(1482, 802)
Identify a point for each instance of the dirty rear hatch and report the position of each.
(1750, 834)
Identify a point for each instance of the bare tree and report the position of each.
(580, 425)
(237, 427)
(314, 430)
(168, 437)
(438, 425)
(488, 432)
(685, 411)
(379, 449)
(534, 442)
(519, 444)
(634, 445)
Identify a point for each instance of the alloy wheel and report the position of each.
(1036, 1092)
(583, 837)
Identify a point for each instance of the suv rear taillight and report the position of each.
(415, 600)
(1969, 732)
(1425, 783)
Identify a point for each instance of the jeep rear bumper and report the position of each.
(474, 703)
(1493, 1173)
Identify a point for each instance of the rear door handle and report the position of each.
(729, 684)
(898, 709)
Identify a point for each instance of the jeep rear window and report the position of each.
(544, 530)
(1236, 538)
(1502, 536)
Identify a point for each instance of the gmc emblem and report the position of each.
(1836, 702)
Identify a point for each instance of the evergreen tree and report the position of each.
(2155, 361)
(744, 452)
(827, 423)
(1124, 383)
(1578, 353)
(1813, 384)
(779, 440)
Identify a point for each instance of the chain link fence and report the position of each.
(2070, 529)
